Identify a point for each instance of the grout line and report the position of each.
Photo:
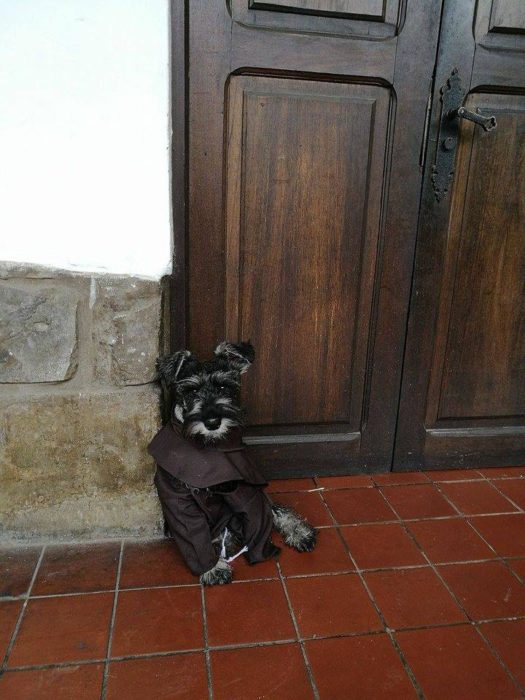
(456, 562)
(509, 499)
(456, 598)
(22, 612)
(309, 671)
(498, 556)
(105, 675)
(207, 656)
(495, 653)
(389, 631)
(249, 645)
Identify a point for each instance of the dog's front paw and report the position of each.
(220, 574)
(295, 531)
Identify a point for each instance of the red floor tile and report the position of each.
(69, 628)
(358, 506)
(178, 677)
(243, 571)
(344, 482)
(449, 540)
(290, 485)
(255, 611)
(328, 605)
(455, 663)
(154, 563)
(308, 505)
(506, 533)
(454, 475)
(518, 566)
(417, 501)
(503, 472)
(508, 639)
(329, 555)
(78, 568)
(473, 498)
(17, 565)
(79, 682)
(514, 489)
(355, 668)
(9, 612)
(159, 619)
(258, 673)
(400, 478)
(486, 590)
(381, 546)
(413, 598)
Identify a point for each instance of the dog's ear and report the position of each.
(239, 355)
(173, 368)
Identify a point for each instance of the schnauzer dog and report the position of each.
(211, 493)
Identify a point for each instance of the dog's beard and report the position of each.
(193, 422)
(197, 429)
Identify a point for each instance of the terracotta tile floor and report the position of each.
(416, 590)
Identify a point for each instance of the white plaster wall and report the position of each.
(84, 135)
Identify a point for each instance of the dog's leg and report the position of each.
(296, 531)
(220, 574)
(231, 543)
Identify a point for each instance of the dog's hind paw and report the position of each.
(295, 531)
(219, 575)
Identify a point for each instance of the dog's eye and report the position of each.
(222, 387)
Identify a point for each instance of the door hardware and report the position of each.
(486, 123)
(452, 111)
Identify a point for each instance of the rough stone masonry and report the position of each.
(78, 404)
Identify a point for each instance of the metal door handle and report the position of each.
(452, 96)
(486, 123)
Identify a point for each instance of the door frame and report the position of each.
(175, 308)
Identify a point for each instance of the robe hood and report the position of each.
(203, 466)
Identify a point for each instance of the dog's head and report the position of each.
(207, 393)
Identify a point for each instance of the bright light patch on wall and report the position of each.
(84, 146)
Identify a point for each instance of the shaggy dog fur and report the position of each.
(205, 401)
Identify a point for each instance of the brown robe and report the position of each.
(197, 508)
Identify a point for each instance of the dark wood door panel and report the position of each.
(479, 363)
(378, 19)
(306, 163)
(501, 16)
(499, 32)
(463, 393)
(303, 186)
(369, 9)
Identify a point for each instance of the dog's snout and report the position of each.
(212, 422)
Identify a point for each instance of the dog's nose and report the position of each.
(212, 423)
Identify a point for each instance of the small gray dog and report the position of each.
(212, 495)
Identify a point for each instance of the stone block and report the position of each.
(76, 465)
(38, 332)
(126, 328)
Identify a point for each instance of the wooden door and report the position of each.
(463, 394)
(305, 122)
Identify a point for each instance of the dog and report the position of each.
(212, 495)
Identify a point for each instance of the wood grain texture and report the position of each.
(305, 166)
(483, 322)
(369, 19)
(360, 8)
(301, 224)
(507, 16)
(462, 400)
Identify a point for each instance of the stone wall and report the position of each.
(78, 404)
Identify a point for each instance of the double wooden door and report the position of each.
(313, 139)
